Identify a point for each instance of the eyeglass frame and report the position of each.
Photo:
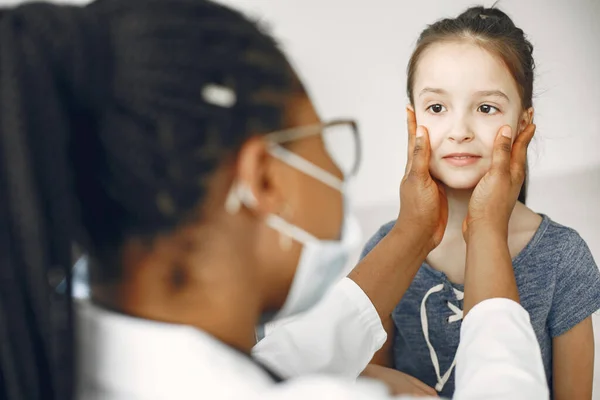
(301, 132)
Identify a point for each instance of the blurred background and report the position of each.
(352, 54)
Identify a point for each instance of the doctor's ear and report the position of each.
(257, 183)
(526, 119)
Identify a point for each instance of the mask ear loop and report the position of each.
(242, 194)
(285, 241)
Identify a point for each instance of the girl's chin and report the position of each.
(459, 183)
(465, 178)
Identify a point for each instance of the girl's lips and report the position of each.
(461, 159)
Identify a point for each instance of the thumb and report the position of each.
(502, 149)
(519, 151)
(411, 125)
(421, 153)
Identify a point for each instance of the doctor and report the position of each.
(174, 141)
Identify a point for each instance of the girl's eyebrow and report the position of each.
(432, 90)
(481, 93)
(494, 93)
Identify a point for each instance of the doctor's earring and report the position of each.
(241, 194)
(238, 195)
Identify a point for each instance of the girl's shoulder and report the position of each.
(559, 260)
(377, 237)
(534, 234)
(555, 240)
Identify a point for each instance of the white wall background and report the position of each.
(352, 55)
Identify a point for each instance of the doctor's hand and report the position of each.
(423, 203)
(495, 196)
(399, 383)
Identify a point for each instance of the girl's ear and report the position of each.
(526, 119)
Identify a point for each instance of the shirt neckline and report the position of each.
(516, 261)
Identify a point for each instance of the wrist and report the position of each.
(487, 227)
(481, 229)
(415, 239)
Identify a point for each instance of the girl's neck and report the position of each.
(458, 206)
(522, 218)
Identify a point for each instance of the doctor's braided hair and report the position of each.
(494, 31)
(112, 118)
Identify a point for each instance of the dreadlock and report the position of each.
(107, 133)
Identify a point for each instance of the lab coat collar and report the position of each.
(126, 356)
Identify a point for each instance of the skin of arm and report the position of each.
(573, 362)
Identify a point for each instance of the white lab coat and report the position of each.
(125, 358)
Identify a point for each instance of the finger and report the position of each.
(421, 153)
(519, 152)
(502, 149)
(411, 121)
(411, 126)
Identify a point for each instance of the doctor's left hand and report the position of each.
(423, 203)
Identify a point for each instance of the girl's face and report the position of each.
(463, 95)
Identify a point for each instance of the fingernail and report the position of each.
(506, 132)
(420, 131)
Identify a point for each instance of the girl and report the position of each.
(468, 76)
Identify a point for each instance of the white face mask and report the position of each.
(321, 263)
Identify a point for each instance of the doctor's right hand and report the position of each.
(423, 203)
(495, 196)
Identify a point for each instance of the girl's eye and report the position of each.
(487, 109)
(436, 108)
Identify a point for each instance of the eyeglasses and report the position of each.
(341, 138)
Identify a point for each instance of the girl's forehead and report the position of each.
(462, 66)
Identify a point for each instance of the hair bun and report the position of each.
(487, 15)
